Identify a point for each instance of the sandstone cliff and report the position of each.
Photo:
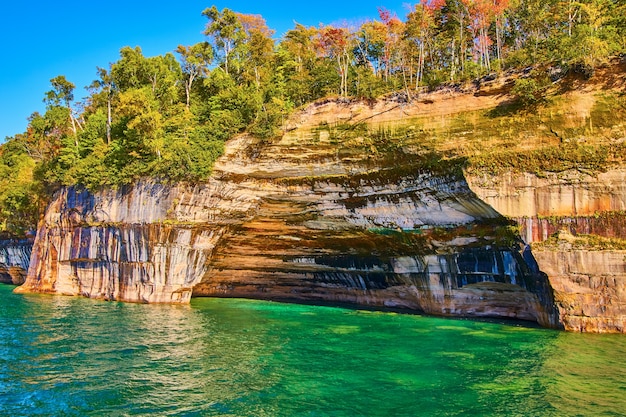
(313, 216)
(14, 260)
(589, 283)
(360, 203)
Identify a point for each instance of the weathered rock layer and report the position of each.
(589, 284)
(14, 260)
(320, 215)
(334, 211)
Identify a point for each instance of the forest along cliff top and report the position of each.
(578, 93)
(576, 123)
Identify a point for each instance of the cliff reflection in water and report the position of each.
(75, 356)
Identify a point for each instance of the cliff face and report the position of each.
(341, 208)
(589, 286)
(14, 260)
(543, 205)
(319, 215)
(115, 246)
(589, 283)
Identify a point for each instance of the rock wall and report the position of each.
(312, 216)
(589, 285)
(119, 246)
(571, 193)
(14, 260)
(328, 213)
(607, 224)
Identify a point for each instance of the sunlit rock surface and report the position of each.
(589, 285)
(14, 260)
(570, 193)
(117, 246)
(318, 215)
(327, 213)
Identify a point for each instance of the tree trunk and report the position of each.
(109, 119)
(74, 132)
(498, 41)
(188, 85)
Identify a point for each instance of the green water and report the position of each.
(62, 356)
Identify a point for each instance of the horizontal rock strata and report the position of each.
(589, 283)
(14, 260)
(589, 287)
(323, 215)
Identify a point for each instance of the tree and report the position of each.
(106, 86)
(257, 49)
(42, 139)
(457, 22)
(164, 74)
(533, 23)
(591, 40)
(226, 31)
(393, 43)
(499, 9)
(195, 63)
(336, 43)
(143, 122)
(370, 45)
(481, 14)
(19, 193)
(161, 73)
(419, 29)
(297, 59)
(62, 94)
(131, 70)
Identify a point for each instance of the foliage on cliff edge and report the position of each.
(168, 116)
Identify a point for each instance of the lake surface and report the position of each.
(63, 356)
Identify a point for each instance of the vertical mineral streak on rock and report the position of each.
(589, 283)
(117, 246)
(14, 260)
(301, 219)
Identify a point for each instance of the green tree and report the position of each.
(164, 73)
(591, 41)
(370, 46)
(226, 31)
(257, 49)
(131, 70)
(143, 123)
(62, 94)
(20, 196)
(105, 86)
(195, 61)
(296, 59)
(419, 29)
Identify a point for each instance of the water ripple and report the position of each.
(75, 357)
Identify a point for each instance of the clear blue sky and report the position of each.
(43, 39)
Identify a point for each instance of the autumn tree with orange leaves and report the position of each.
(167, 117)
(336, 43)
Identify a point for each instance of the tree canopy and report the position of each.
(168, 116)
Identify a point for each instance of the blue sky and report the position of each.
(49, 38)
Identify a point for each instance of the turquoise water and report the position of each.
(62, 356)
